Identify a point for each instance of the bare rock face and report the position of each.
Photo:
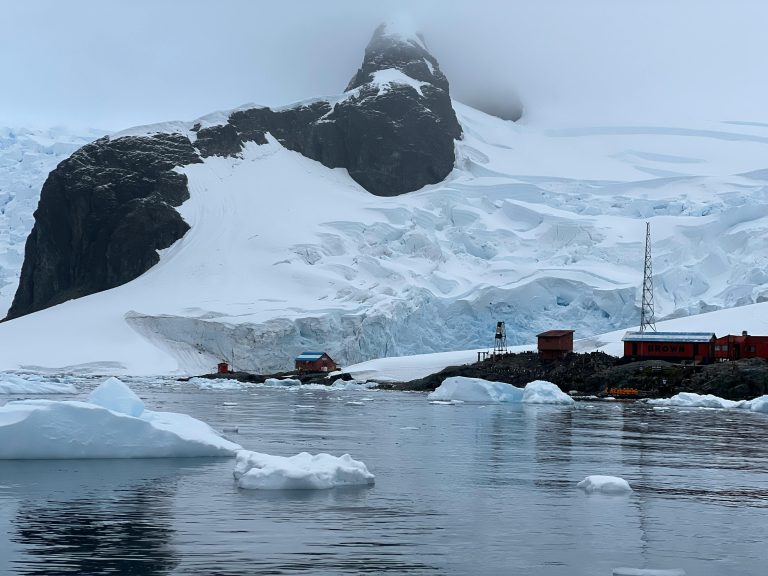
(106, 210)
(103, 214)
(393, 129)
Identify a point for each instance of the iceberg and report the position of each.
(543, 392)
(256, 471)
(460, 388)
(116, 396)
(759, 404)
(112, 424)
(476, 390)
(604, 485)
(693, 400)
(281, 382)
(33, 384)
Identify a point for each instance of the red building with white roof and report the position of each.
(698, 347)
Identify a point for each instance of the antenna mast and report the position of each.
(647, 316)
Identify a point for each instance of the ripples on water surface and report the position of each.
(471, 490)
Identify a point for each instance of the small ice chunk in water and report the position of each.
(604, 485)
(647, 572)
(113, 395)
(282, 382)
(543, 392)
(256, 471)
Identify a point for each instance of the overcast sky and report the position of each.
(115, 64)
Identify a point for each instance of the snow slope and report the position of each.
(26, 158)
(542, 227)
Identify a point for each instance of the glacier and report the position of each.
(26, 157)
(542, 227)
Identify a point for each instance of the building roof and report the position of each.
(668, 336)
(554, 333)
(310, 356)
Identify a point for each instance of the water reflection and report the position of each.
(93, 517)
(460, 489)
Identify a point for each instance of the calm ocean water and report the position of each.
(464, 489)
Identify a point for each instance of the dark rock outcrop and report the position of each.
(106, 210)
(393, 129)
(103, 214)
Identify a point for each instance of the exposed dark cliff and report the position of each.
(105, 211)
(393, 129)
(102, 215)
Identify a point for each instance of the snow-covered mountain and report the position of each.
(540, 226)
(26, 158)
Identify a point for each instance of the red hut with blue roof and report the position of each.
(314, 362)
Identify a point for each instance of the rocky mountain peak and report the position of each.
(394, 46)
(106, 210)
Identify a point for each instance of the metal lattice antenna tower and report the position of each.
(647, 316)
(500, 339)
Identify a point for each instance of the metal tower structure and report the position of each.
(500, 340)
(647, 316)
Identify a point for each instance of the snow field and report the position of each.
(539, 226)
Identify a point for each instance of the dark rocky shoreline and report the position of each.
(583, 374)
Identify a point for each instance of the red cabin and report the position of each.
(696, 347)
(555, 344)
(222, 368)
(745, 346)
(315, 362)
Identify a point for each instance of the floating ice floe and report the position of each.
(460, 388)
(33, 384)
(280, 382)
(256, 471)
(112, 424)
(216, 383)
(605, 485)
(353, 385)
(693, 400)
(648, 572)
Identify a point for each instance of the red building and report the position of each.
(555, 344)
(745, 346)
(696, 347)
(315, 362)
